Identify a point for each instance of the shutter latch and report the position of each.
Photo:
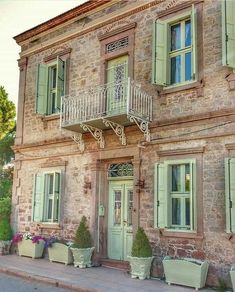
(230, 204)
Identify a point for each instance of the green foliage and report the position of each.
(6, 179)
(222, 287)
(5, 230)
(6, 153)
(7, 113)
(5, 208)
(141, 246)
(83, 236)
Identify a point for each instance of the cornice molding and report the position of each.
(59, 19)
(96, 24)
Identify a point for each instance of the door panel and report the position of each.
(120, 219)
(117, 73)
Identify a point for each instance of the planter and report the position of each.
(82, 257)
(61, 253)
(186, 271)
(5, 247)
(232, 275)
(140, 267)
(29, 249)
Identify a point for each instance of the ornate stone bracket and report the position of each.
(77, 138)
(142, 125)
(96, 133)
(118, 130)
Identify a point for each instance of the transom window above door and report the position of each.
(121, 169)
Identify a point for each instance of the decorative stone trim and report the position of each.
(57, 54)
(117, 31)
(174, 152)
(177, 8)
(54, 163)
(230, 146)
(231, 81)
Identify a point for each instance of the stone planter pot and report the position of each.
(5, 247)
(82, 257)
(61, 253)
(232, 275)
(140, 267)
(29, 249)
(186, 271)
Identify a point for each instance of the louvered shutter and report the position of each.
(41, 89)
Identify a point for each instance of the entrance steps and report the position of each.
(115, 264)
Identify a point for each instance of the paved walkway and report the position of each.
(98, 279)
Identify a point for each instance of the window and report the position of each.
(50, 87)
(230, 194)
(174, 50)
(228, 33)
(174, 195)
(46, 198)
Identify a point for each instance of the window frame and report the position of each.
(166, 207)
(43, 204)
(45, 98)
(161, 47)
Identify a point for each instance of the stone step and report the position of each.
(120, 265)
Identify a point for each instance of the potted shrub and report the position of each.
(141, 256)
(59, 250)
(82, 247)
(185, 271)
(29, 245)
(5, 237)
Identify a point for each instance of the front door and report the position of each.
(120, 234)
(117, 73)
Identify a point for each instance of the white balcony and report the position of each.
(107, 106)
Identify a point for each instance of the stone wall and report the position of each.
(181, 120)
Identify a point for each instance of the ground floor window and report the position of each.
(175, 195)
(46, 197)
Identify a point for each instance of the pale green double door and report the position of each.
(120, 233)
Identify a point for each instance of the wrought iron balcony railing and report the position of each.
(124, 103)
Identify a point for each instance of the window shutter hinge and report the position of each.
(158, 204)
(230, 204)
(226, 37)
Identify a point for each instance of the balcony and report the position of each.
(113, 105)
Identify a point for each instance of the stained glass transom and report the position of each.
(119, 170)
(117, 45)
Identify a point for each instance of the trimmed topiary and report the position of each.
(5, 230)
(141, 246)
(83, 237)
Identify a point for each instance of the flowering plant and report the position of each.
(27, 236)
(53, 239)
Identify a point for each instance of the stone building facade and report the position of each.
(165, 162)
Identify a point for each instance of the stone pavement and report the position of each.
(98, 279)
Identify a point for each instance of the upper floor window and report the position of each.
(174, 50)
(50, 87)
(228, 33)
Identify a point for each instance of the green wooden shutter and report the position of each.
(41, 92)
(59, 82)
(194, 42)
(230, 194)
(160, 196)
(159, 53)
(193, 199)
(57, 196)
(38, 197)
(228, 33)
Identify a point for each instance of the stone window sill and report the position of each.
(198, 86)
(54, 226)
(51, 117)
(180, 234)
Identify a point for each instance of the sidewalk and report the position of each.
(98, 279)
